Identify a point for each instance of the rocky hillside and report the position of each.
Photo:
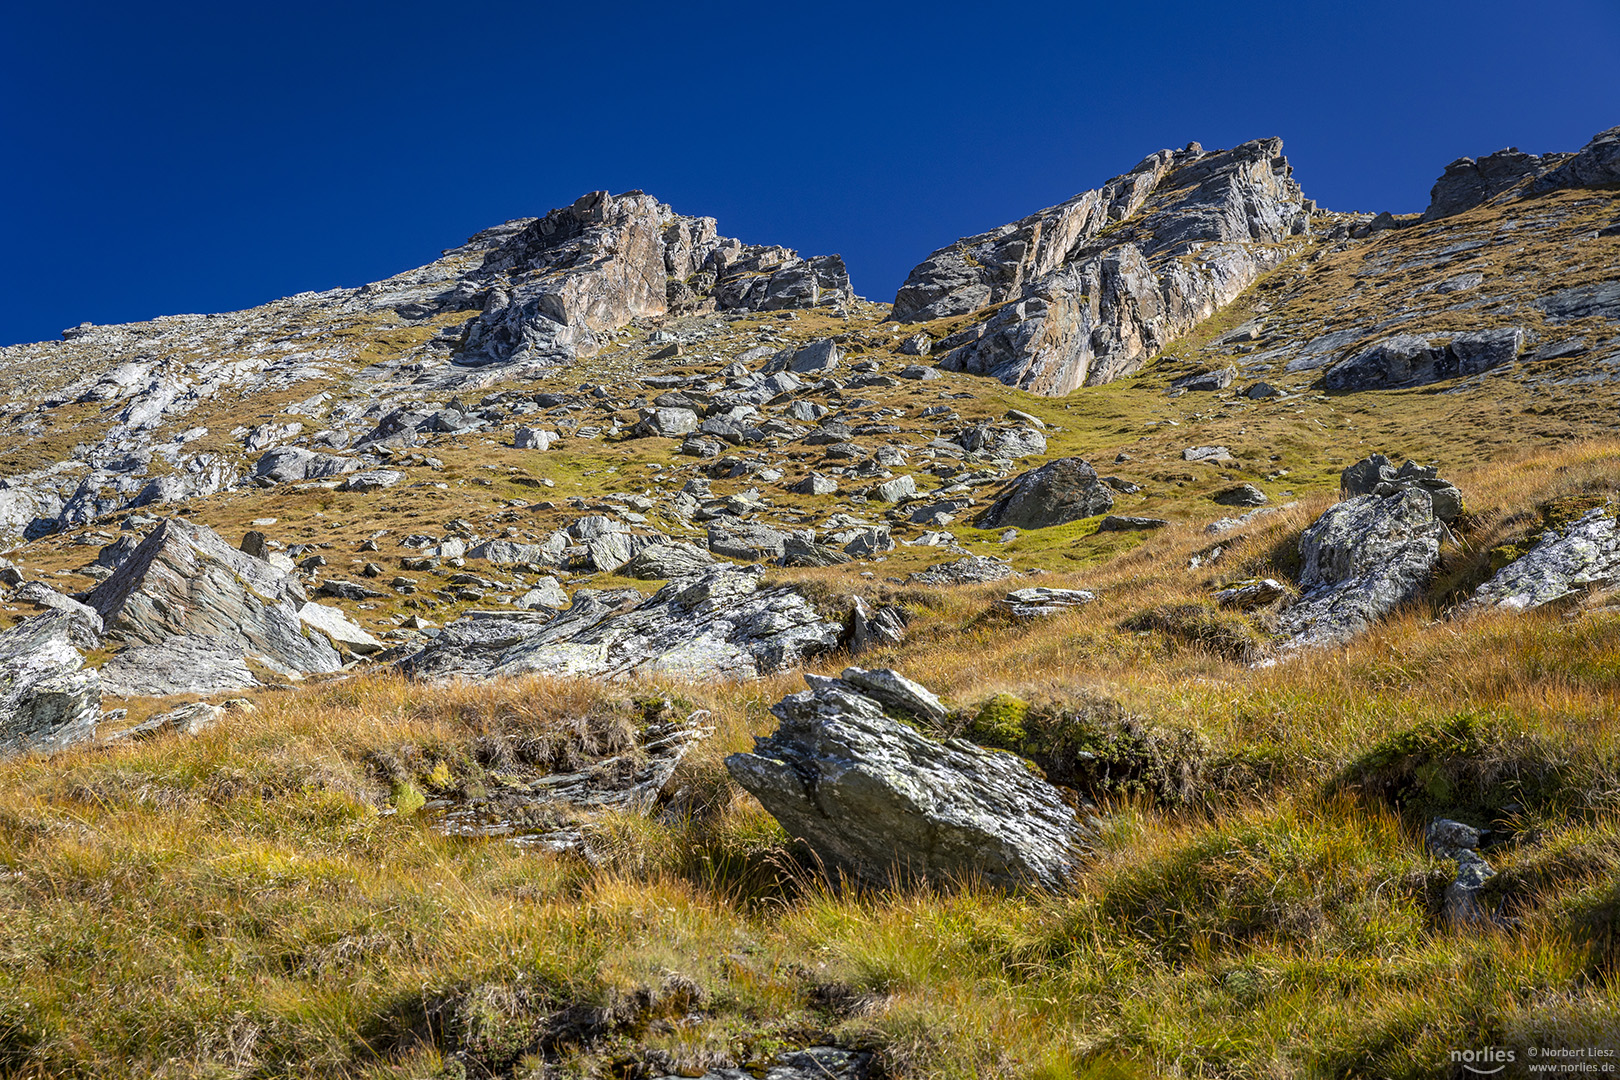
(1187, 437)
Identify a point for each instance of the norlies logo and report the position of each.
(1486, 1062)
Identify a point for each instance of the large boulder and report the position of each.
(721, 625)
(1087, 291)
(289, 464)
(1564, 562)
(1362, 559)
(185, 579)
(189, 664)
(878, 801)
(1058, 492)
(1596, 165)
(1375, 475)
(1411, 360)
(48, 698)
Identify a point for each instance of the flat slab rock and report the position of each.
(1564, 562)
(188, 664)
(878, 801)
(720, 625)
(1036, 602)
(972, 570)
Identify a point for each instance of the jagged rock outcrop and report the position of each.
(878, 801)
(969, 570)
(720, 625)
(552, 286)
(48, 698)
(1564, 562)
(1362, 559)
(1058, 492)
(1096, 286)
(185, 579)
(1375, 475)
(1597, 164)
(1467, 183)
(1413, 360)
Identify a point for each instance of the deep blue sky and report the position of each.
(165, 157)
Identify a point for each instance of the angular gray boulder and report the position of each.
(1058, 492)
(189, 664)
(720, 625)
(878, 801)
(48, 699)
(1087, 291)
(185, 579)
(1412, 360)
(1375, 475)
(1364, 558)
(1467, 183)
(1564, 562)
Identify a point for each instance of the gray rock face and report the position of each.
(288, 464)
(1096, 286)
(721, 625)
(667, 423)
(1467, 183)
(1207, 381)
(817, 358)
(1564, 562)
(878, 801)
(1241, 495)
(748, 541)
(36, 592)
(1596, 165)
(665, 562)
(550, 288)
(1362, 559)
(1058, 492)
(185, 579)
(188, 664)
(990, 441)
(1374, 475)
(1128, 523)
(1409, 360)
(48, 698)
(1599, 300)
(1037, 602)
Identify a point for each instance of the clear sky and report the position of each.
(169, 157)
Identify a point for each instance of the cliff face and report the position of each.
(1085, 292)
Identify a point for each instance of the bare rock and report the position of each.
(1582, 555)
(879, 801)
(972, 570)
(188, 664)
(185, 579)
(1058, 492)
(1467, 183)
(1038, 602)
(48, 699)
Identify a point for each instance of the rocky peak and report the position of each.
(1095, 286)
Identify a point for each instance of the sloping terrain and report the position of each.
(523, 544)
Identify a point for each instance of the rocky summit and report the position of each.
(407, 678)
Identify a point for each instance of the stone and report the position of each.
(1260, 390)
(667, 561)
(513, 553)
(48, 699)
(185, 579)
(917, 345)
(347, 590)
(1461, 903)
(1126, 523)
(815, 484)
(1039, 602)
(1597, 164)
(1362, 559)
(188, 664)
(971, 570)
(1447, 839)
(869, 629)
(1214, 455)
(880, 802)
(1374, 475)
(290, 464)
(666, 423)
(1467, 183)
(192, 718)
(1241, 495)
(811, 1063)
(372, 480)
(1564, 562)
(747, 541)
(919, 372)
(1411, 360)
(1061, 491)
(888, 687)
(820, 357)
(37, 592)
(1086, 292)
(526, 438)
(339, 629)
(1251, 594)
(869, 542)
(546, 593)
(999, 442)
(1218, 379)
(799, 551)
(721, 625)
(896, 490)
(254, 543)
(1598, 300)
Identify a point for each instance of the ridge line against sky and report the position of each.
(197, 158)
